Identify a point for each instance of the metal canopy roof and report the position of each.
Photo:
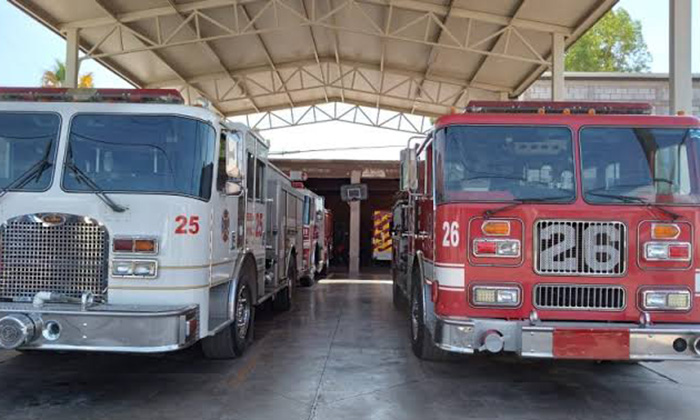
(249, 56)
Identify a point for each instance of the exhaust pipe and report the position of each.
(17, 330)
(696, 346)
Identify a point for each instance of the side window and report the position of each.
(306, 215)
(221, 177)
(250, 176)
(259, 179)
(429, 170)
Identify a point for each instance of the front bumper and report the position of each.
(102, 327)
(569, 340)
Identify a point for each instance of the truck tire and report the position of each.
(283, 298)
(233, 340)
(421, 340)
(326, 263)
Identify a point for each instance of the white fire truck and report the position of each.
(130, 222)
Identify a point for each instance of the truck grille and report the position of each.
(55, 253)
(580, 296)
(588, 248)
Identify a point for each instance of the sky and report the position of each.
(28, 48)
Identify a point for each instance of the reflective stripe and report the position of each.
(448, 276)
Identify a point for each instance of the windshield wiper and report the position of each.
(517, 202)
(34, 172)
(633, 199)
(85, 179)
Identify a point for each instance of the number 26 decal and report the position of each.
(187, 226)
(451, 237)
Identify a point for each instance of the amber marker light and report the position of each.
(145, 246)
(665, 231)
(496, 228)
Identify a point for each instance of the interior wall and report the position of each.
(381, 196)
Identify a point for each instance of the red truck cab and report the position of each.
(553, 230)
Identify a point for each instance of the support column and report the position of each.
(557, 67)
(72, 63)
(680, 76)
(354, 268)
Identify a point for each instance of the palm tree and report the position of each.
(56, 77)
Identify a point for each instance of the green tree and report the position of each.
(614, 44)
(56, 77)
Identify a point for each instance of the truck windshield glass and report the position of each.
(27, 149)
(504, 164)
(142, 154)
(633, 165)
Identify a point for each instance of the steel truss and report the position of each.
(426, 16)
(355, 114)
(324, 74)
(202, 22)
(350, 76)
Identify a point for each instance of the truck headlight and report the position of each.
(666, 300)
(493, 295)
(146, 269)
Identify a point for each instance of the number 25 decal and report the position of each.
(451, 238)
(187, 226)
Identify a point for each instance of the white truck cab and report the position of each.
(130, 222)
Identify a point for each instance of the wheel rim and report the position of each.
(242, 313)
(415, 314)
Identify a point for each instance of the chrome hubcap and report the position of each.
(242, 313)
(415, 314)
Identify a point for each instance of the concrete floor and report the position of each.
(342, 353)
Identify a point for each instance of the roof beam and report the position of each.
(336, 98)
(354, 114)
(432, 56)
(214, 56)
(265, 50)
(107, 10)
(336, 51)
(326, 20)
(518, 9)
(387, 26)
(331, 60)
(314, 46)
(413, 5)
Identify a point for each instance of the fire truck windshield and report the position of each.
(640, 165)
(27, 149)
(140, 154)
(505, 164)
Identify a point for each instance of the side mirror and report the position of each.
(233, 188)
(234, 156)
(409, 170)
(397, 220)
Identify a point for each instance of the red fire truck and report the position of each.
(552, 230)
(315, 256)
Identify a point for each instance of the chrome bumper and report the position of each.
(102, 327)
(568, 340)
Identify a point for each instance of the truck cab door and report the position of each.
(228, 215)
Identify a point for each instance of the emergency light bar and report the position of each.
(542, 107)
(138, 96)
